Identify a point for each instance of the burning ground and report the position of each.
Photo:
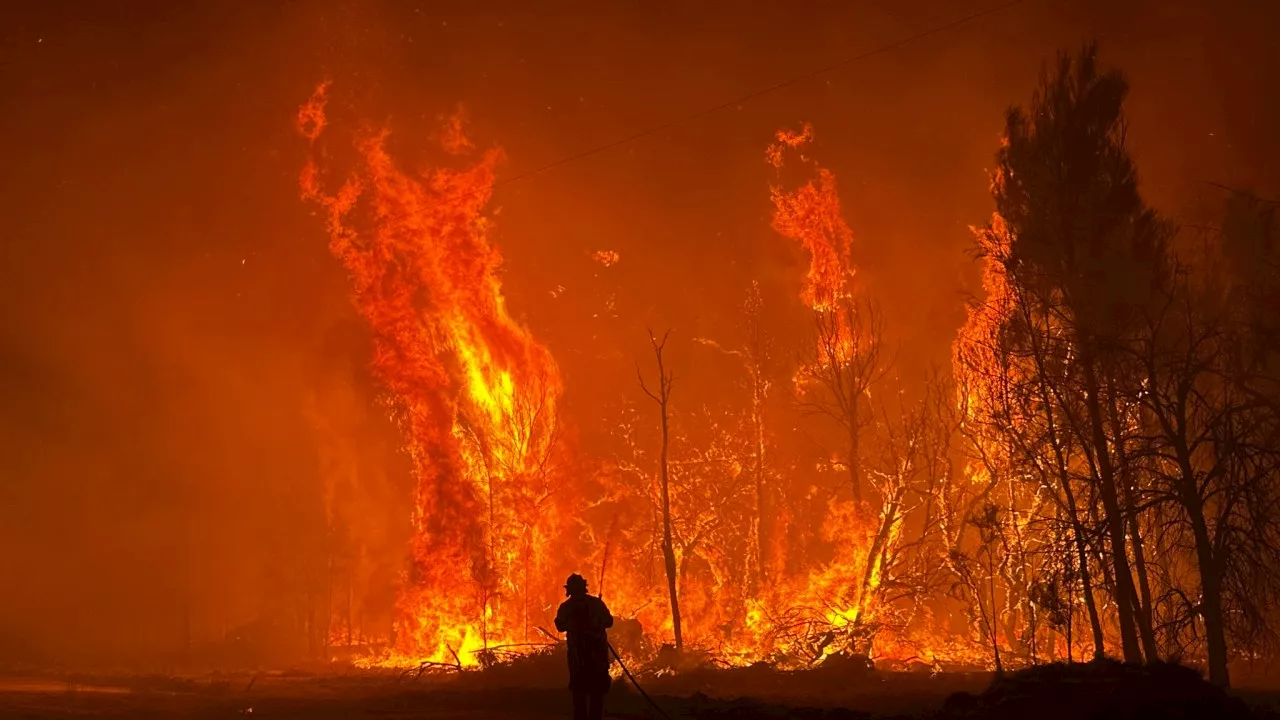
(1097, 690)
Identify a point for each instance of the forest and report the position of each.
(1096, 472)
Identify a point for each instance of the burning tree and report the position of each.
(1009, 367)
(1078, 252)
(475, 394)
(1104, 374)
(892, 448)
(844, 360)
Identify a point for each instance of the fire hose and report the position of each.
(633, 680)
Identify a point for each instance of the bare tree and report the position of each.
(662, 397)
(1213, 451)
(836, 373)
(754, 355)
(907, 479)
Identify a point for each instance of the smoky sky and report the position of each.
(168, 305)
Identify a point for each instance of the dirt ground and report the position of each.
(355, 694)
(359, 695)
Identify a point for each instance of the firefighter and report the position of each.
(584, 618)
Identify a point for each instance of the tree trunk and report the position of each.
(490, 562)
(1215, 633)
(1187, 491)
(1211, 605)
(1141, 601)
(1070, 652)
(855, 452)
(995, 642)
(1077, 528)
(1210, 574)
(668, 548)
(663, 400)
(1114, 518)
(875, 561)
(1082, 555)
(760, 531)
(1086, 587)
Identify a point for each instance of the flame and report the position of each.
(844, 592)
(311, 117)
(478, 399)
(476, 394)
(811, 215)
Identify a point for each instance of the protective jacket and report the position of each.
(585, 618)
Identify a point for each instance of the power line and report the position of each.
(736, 101)
(1241, 191)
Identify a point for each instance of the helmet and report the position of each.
(575, 584)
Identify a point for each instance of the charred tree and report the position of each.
(754, 354)
(1217, 444)
(662, 397)
(1142, 606)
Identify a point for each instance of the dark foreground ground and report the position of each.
(1046, 693)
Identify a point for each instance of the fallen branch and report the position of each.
(513, 645)
(424, 666)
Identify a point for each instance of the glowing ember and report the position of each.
(607, 258)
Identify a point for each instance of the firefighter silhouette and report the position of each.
(585, 618)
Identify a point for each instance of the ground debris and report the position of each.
(1103, 690)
